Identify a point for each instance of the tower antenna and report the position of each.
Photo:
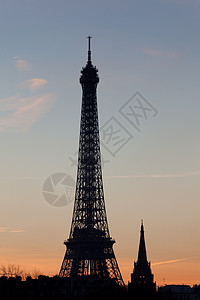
(89, 51)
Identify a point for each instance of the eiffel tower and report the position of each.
(89, 247)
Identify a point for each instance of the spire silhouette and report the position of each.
(89, 72)
(89, 51)
(142, 254)
(142, 277)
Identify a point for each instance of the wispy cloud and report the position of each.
(33, 84)
(157, 52)
(186, 174)
(21, 64)
(152, 52)
(20, 113)
(172, 261)
(171, 54)
(11, 230)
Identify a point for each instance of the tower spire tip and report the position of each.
(89, 51)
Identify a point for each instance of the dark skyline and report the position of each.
(147, 49)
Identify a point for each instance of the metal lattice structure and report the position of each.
(90, 247)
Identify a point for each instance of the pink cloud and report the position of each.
(15, 230)
(22, 65)
(172, 54)
(22, 113)
(33, 84)
(152, 52)
(173, 261)
(9, 103)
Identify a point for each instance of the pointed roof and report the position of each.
(142, 255)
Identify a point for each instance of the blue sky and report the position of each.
(151, 47)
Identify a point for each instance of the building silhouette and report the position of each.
(142, 279)
(179, 292)
(89, 246)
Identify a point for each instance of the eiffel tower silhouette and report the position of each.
(89, 247)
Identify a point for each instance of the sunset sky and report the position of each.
(144, 48)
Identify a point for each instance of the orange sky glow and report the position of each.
(178, 271)
(146, 49)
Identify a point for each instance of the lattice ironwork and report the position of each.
(90, 247)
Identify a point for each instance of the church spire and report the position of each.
(142, 255)
(142, 277)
